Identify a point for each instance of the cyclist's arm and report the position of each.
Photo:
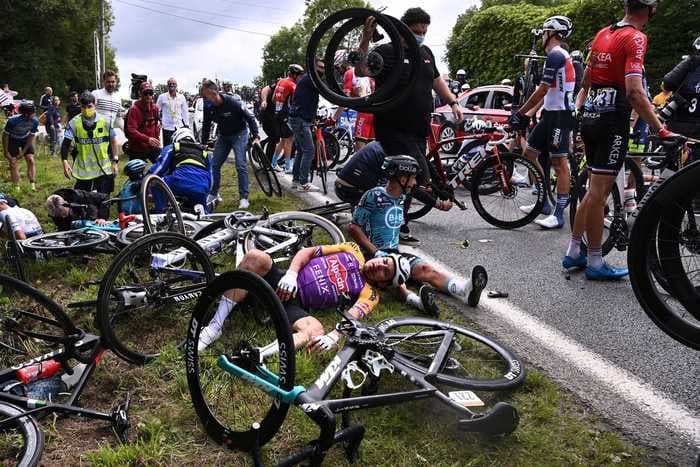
(162, 162)
(303, 257)
(637, 97)
(365, 303)
(263, 97)
(360, 237)
(367, 32)
(675, 77)
(585, 86)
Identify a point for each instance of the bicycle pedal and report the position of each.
(120, 419)
(376, 362)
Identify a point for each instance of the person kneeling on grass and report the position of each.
(92, 207)
(21, 221)
(376, 224)
(318, 278)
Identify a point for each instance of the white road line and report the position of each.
(675, 416)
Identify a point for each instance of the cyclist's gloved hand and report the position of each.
(518, 120)
(665, 133)
(287, 286)
(325, 342)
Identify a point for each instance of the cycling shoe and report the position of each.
(605, 273)
(568, 262)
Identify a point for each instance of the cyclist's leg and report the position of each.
(31, 166)
(537, 148)
(239, 142)
(307, 153)
(221, 150)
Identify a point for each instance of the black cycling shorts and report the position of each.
(283, 128)
(15, 146)
(270, 126)
(293, 307)
(552, 135)
(348, 194)
(605, 138)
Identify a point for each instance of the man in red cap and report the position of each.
(143, 126)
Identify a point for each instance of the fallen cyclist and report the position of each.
(67, 205)
(376, 224)
(318, 278)
(15, 219)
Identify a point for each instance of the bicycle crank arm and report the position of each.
(460, 205)
(272, 389)
(503, 419)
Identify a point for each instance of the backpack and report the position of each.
(126, 123)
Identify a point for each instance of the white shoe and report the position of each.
(309, 187)
(207, 336)
(211, 199)
(519, 180)
(527, 209)
(549, 222)
(219, 199)
(244, 204)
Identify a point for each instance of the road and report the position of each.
(592, 337)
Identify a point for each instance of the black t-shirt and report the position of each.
(364, 169)
(72, 110)
(412, 114)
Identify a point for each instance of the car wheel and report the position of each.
(447, 131)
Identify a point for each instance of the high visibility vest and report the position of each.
(92, 160)
(189, 153)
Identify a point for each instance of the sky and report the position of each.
(160, 46)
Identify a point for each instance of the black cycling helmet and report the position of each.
(86, 98)
(398, 166)
(27, 107)
(577, 56)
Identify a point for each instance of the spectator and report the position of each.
(8, 92)
(93, 168)
(108, 103)
(661, 98)
(174, 112)
(302, 112)
(267, 114)
(227, 88)
(45, 99)
(18, 139)
(21, 221)
(231, 117)
(72, 107)
(143, 130)
(63, 214)
(53, 123)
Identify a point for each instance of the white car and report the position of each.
(197, 117)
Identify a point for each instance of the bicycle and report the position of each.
(38, 343)
(664, 248)
(325, 143)
(142, 303)
(344, 133)
(263, 171)
(254, 360)
(493, 177)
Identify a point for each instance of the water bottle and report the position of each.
(38, 371)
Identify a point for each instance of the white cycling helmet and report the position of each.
(461, 72)
(506, 82)
(559, 24)
(402, 269)
(696, 44)
(182, 134)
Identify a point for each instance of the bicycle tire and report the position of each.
(14, 253)
(32, 438)
(260, 172)
(323, 172)
(506, 370)
(345, 139)
(332, 231)
(332, 148)
(509, 194)
(153, 181)
(124, 295)
(670, 319)
(74, 241)
(220, 430)
(132, 233)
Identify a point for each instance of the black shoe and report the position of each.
(408, 240)
(427, 297)
(479, 281)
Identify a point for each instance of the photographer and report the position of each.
(682, 110)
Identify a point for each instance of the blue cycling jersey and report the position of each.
(380, 216)
(19, 128)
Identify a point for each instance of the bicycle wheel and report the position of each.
(347, 147)
(161, 212)
(501, 208)
(323, 172)
(14, 253)
(22, 441)
(262, 176)
(144, 299)
(473, 361)
(227, 405)
(310, 229)
(74, 241)
(662, 224)
(132, 233)
(332, 148)
(31, 323)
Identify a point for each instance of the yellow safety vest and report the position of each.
(92, 160)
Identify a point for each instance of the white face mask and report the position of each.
(419, 39)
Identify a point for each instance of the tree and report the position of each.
(288, 45)
(50, 43)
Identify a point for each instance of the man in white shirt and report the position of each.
(174, 113)
(107, 101)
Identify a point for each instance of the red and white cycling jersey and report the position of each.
(560, 76)
(283, 91)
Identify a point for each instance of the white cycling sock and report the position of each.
(222, 312)
(458, 287)
(574, 250)
(595, 258)
(414, 300)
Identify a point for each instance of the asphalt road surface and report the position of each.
(592, 337)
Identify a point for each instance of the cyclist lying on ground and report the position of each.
(375, 227)
(186, 168)
(21, 221)
(317, 279)
(132, 187)
(364, 171)
(63, 214)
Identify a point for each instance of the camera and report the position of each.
(674, 103)
(135, 88)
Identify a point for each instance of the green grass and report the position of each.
(555, 428)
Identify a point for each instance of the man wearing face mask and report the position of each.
(173, 111)
(404, 128)
(92, 167)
